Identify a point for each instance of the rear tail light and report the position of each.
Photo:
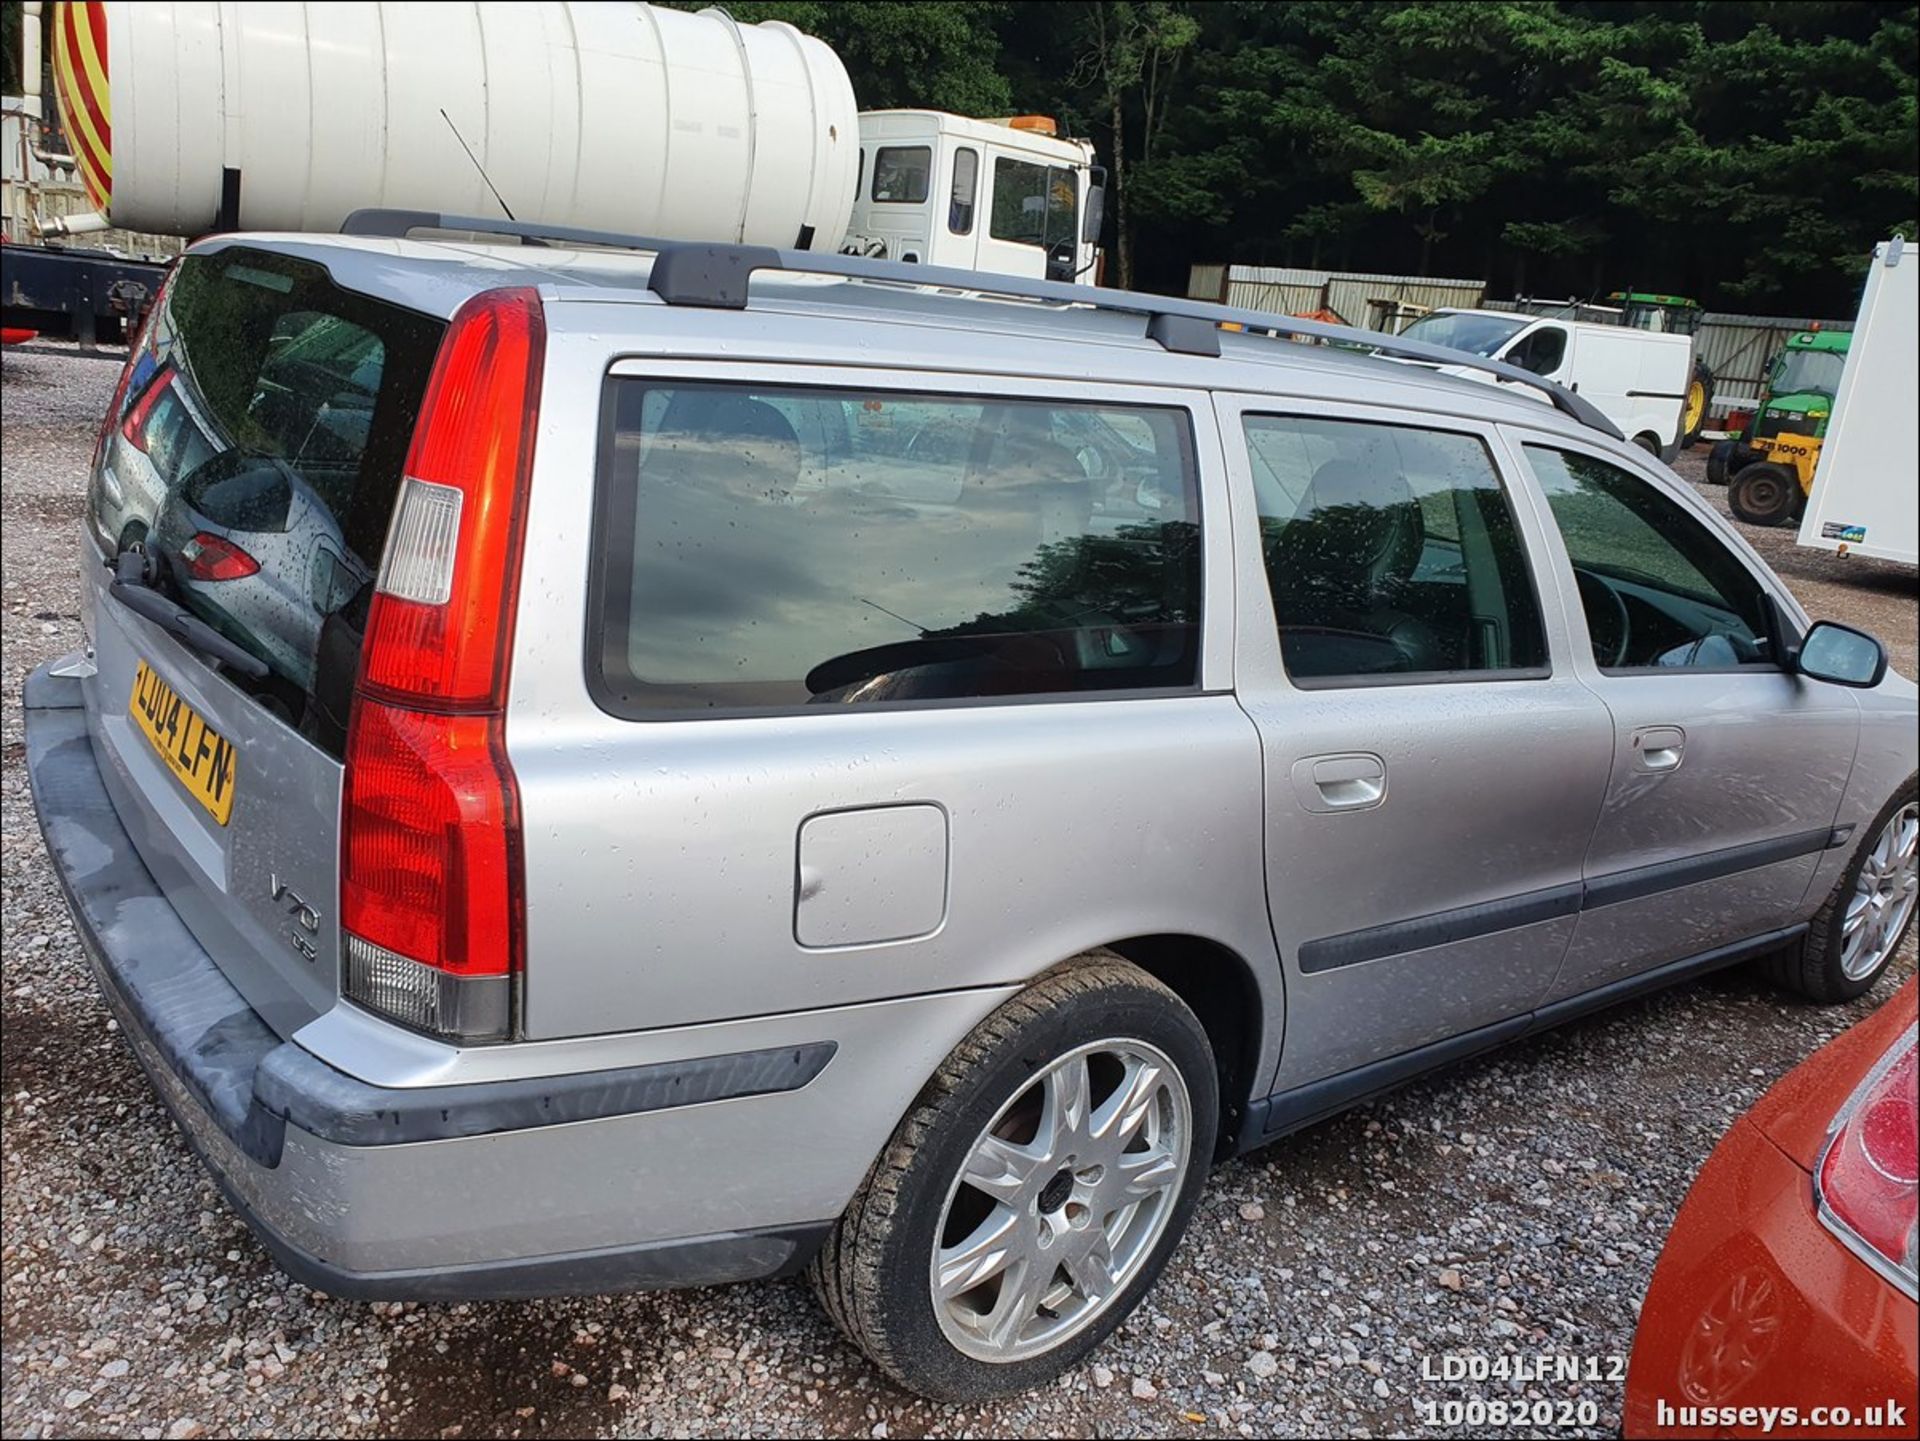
(430, 869)
(209, 557)
(134, 427)
(1867, 1185)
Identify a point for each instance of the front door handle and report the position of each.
(1356, 781)
(1657, 749)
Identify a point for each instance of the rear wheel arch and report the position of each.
(1219, 986)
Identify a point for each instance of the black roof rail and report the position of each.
(716, 276)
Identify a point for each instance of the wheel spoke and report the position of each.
(1019, 1299)
(1122, 1114)
(1858, 910)
(1147, 1173)
(1069, 1093)
(988, 1251)
(1000, 1168)
(1092, 1271)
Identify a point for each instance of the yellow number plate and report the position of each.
(194, 751)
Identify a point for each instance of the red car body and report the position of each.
(1758, 1309)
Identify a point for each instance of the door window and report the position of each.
(782, 547)
(1659, 590)
(1033, 204)
(966, 178)
(1540, 352)
(1390, 551)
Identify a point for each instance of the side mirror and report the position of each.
(1842, 655)
(1095, 213)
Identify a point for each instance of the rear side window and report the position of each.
(258, 453)
(1390, 552)
(775, 548)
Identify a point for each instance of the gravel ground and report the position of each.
(1517, 1204)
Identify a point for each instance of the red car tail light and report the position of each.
(134, 427)
(1867, 1184)
(209, 557)
(430, 870)
(141, 342)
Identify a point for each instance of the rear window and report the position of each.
(257, 453)
(775, 548)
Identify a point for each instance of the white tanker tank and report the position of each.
(187, 117)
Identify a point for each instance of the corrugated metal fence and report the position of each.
(1372, 302)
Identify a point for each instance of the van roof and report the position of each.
(968, 332)
(1527, 318)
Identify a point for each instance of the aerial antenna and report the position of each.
(475, 159)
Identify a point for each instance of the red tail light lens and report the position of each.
(1868, 1182)
(134, 427)
(141, 345)
(209, 557)
(443, 611)
(430, 882)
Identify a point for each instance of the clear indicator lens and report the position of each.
(420, 552)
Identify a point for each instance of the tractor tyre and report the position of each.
(1699, 402)
(1764, 494)
(1727, 459)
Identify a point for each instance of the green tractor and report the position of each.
(1676, 315)
(1768, 471)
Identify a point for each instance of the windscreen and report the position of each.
(256, 456)
(1477, 334)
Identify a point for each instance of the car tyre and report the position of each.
(1821, 966)
(881, 1275)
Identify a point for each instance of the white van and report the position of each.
(1636, 378)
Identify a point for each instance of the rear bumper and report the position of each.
(636, 1176)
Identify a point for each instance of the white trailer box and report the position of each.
(1866, 490)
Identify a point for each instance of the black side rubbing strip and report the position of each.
(1531, 907)
(1644, 881)
(304, 1091)
(1441, 928)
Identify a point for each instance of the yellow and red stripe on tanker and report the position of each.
(80, 85)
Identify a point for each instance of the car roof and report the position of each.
(924, 328)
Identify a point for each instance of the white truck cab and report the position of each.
(1636, 378)
(1005, 196)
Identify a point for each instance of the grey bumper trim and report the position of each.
(252, 1083)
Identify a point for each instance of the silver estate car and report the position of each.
(799, 763)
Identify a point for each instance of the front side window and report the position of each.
(1541, 352)
(901, 174)
(1389, 551)
(1658, 589)
(966, 179)
(1033, 204)
(779, 547)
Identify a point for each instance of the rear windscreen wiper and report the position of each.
(133, 575)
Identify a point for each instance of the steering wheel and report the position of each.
(1609, 626)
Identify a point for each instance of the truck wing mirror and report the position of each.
(1095, 213)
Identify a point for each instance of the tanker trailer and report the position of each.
(196, 116)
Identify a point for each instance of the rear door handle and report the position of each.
(1356, 781)
(1657, 749)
